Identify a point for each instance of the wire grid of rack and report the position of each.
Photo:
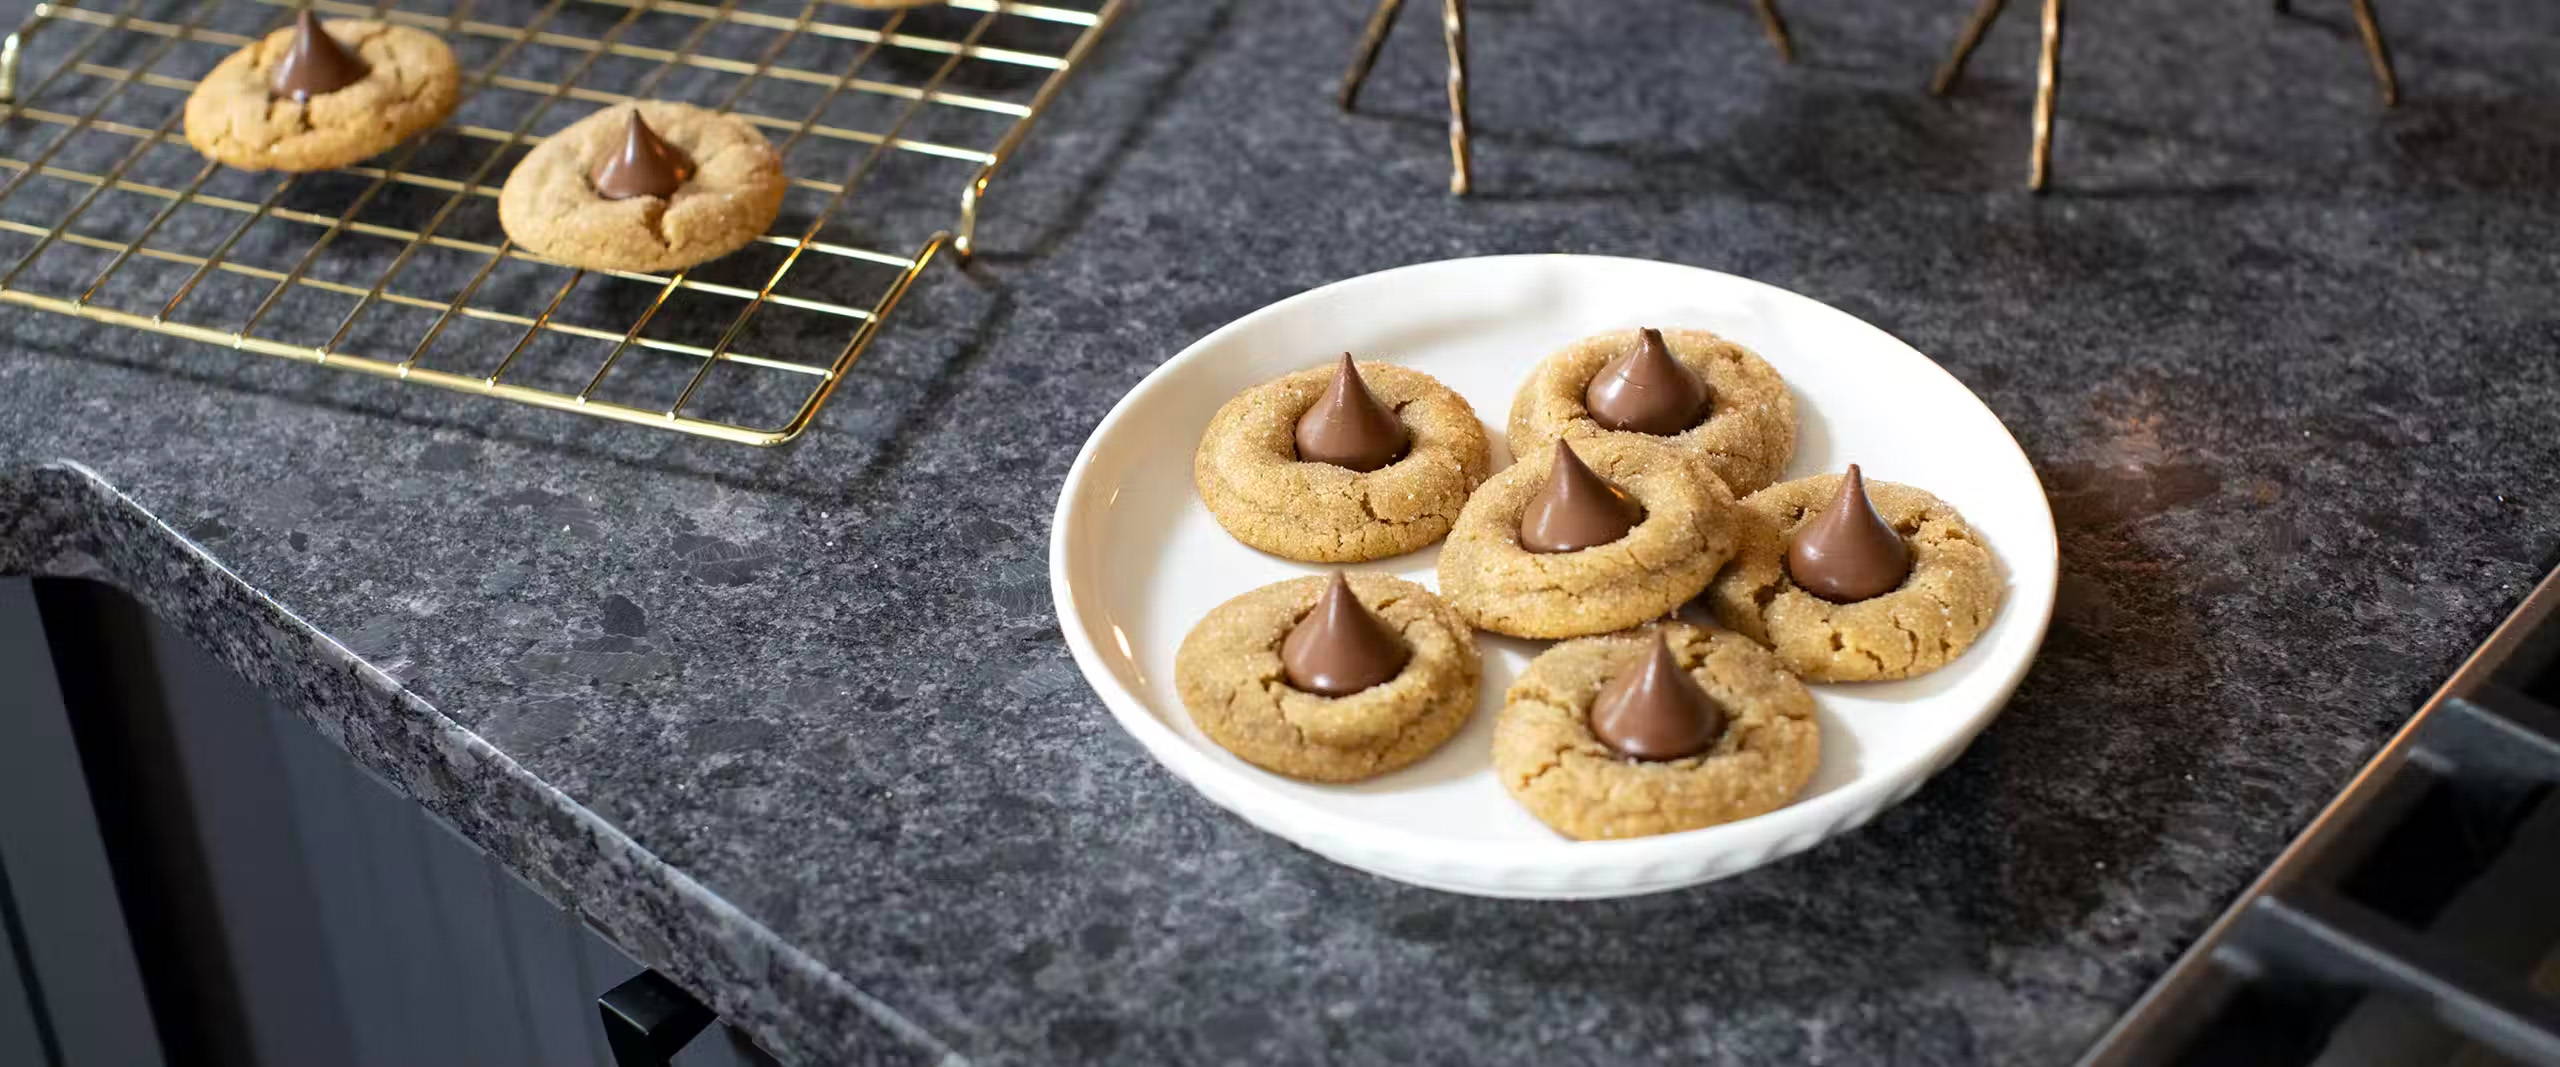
(398, 267)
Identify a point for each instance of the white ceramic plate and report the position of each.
(1135, 559)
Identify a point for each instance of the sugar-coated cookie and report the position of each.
(1949, 598)
(1255, 483)
(1746, 436)
(1547, 756)
(1687, 532)
(409, 82)
(729, 195)
(1231, 677)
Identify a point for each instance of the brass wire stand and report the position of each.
(2049, 69)
(986, 67)
(1453, 33)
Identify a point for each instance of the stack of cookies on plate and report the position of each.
(1645, 486)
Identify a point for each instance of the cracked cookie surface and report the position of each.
(1228, 671)
(1746, 439)
(410, 84)
(1249, 474)
(1688, 532)
(550, 205)
(1931, 618)
(1549, 760)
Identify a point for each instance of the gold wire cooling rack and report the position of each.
(399, 269)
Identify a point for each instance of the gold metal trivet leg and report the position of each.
(1453, 30)
(2048, 71)
(1974, 28)
(1381, 21)
(1453, 26)
(1776, 27)
(2377, 52)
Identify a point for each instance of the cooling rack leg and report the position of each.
(1953, 68)
(2377, 52)
(1775, 25)
(2048, 71)
(1453, 27)
(9, 66)
(1372, 37)
(966, 245)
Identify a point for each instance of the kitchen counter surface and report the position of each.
(797, 725)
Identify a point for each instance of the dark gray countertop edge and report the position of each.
(62, 519)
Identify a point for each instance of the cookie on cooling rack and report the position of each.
(648, 186)
(318, 95)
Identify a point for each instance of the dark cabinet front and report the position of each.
(189, 874)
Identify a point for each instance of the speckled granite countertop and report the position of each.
(797, 725)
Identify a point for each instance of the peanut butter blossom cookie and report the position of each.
(314, 96)
(1851, 580)
(647, 186)
(1341, 463)
(1590, 536)
(1653, 732)
(1330, 679)
(1688, 388)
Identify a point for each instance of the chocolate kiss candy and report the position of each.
(1655, 711)
(314, 63)
(1644, 390)
(1577, 509)
(1340, 648)
(1848, 553)
(645, 165)
(1350, 428)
